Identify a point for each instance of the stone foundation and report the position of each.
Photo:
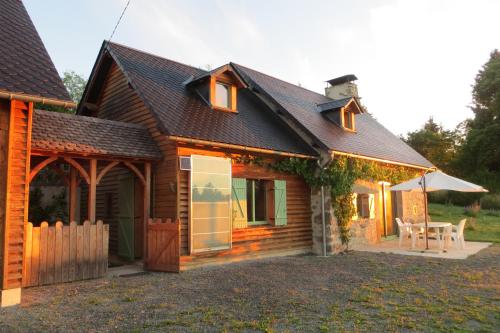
(363, 231)
(10, 297)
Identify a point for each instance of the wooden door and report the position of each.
(163, 247)
(126, 217)
(391, 230)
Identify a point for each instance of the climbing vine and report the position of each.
(340, 176)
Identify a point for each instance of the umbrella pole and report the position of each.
(426, 215)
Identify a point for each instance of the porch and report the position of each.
(391, 245)
(90, 197)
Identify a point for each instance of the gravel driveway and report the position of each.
(359, 291)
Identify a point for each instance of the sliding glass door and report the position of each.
(210, 203)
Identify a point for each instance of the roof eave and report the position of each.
(36, 99)
(381, 160)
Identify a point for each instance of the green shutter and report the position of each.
(239, 198)
(280, 202)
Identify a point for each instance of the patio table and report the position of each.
(437, 226)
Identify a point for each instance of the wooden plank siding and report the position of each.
(253, 240)
(170, 186)
(17, 191)
(118, 101)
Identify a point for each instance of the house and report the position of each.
(170, 164)
(210, 124)
(27, 76)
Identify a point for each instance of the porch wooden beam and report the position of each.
(136, 171)
(105, 170)
(92, 190)
(40, 166)
(80, 168)
(73, 185)
(147, 211)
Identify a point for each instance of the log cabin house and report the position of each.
(167, 163)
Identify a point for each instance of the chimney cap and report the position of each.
(342, 79)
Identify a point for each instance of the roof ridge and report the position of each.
(93, 119)
(154, 55)
(275, 78)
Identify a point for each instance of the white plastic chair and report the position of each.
(457, 234)
(446, 236)
(404, 230)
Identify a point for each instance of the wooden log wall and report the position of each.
(4, 149)
(17, 192)
(118, 101)
(253, 240)
(60, 253)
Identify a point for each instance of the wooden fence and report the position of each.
(65, 253)
(163, 245)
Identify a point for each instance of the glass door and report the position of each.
(210, 203)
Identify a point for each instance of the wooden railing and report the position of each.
(163, 245)
(61, 253)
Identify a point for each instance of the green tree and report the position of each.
(479, 156)
(75, 84)
(435, 143)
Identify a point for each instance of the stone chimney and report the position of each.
(342, 87)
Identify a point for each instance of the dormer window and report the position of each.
(342, 112)
(219, 88)
(348, 119)
(222, 95)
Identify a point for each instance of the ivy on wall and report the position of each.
(340, 176)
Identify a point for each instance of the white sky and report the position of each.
(414, 59)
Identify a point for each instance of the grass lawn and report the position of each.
(354, 292)
(487, 228)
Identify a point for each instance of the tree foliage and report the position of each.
(479, 156)
(75, 84)
(435, 143)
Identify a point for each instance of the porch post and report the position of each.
(147, 211)
(92, 190)
(72, 193)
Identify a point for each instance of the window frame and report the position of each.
(350, 114)
(232, 95)
(251, 219)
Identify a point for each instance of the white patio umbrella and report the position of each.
(436, 181)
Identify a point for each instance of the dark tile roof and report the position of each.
(334, 104)
(63, 132)
(371, 139)
(182, 112)
(25, 65)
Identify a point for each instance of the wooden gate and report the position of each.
(65, 253)
(163, 245)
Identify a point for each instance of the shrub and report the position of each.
(491, 201)
(472, 210)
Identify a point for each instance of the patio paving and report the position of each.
(392, 246)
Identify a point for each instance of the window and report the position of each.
(348, 120)
(256, 202)
(365, 206)
(222, 95)
(362, 206)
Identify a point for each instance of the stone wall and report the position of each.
(410, 206)
(363, 230)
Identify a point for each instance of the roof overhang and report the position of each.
(375, 159)
(36, 99)
(238, 147)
